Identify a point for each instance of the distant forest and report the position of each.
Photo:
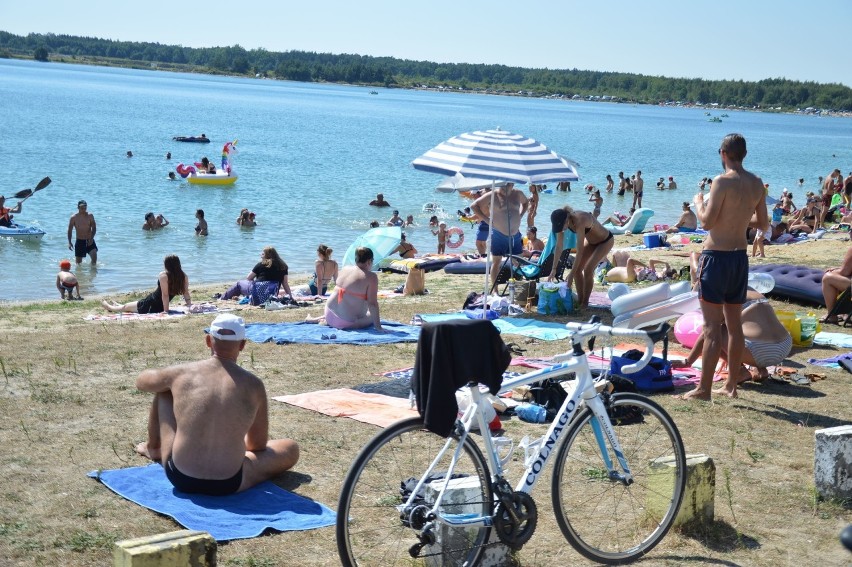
(775, 93)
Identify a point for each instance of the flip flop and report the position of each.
(800, 380)
(830, 321)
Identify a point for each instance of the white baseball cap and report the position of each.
(227, 322)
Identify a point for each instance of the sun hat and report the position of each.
(228, 322)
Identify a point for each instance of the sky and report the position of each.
(748, 40)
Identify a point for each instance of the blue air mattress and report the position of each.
(798, 283)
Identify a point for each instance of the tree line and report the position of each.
(391, 72)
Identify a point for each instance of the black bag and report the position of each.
(474, 300)
(549, 394)
(624, 415)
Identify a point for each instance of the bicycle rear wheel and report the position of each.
(370, 529)
(602, 518)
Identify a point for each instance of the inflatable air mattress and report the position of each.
(799, 283)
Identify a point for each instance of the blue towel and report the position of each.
(543, 330)
(237, 516)
(839, 340)
(311, 333)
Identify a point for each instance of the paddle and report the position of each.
(27, 193)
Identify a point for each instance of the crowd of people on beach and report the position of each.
(740, 327)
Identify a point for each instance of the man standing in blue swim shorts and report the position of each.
(509, 207)
(737, 200)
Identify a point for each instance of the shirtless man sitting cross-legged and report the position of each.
(209, 424)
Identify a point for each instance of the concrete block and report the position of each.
(833, 462)
(697, 507)
(458, 499)
(187, 548)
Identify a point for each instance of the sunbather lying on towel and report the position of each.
(627, 270)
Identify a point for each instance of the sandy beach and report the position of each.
(69, 406)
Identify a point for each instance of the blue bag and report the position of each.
(655, 377)
(550, 302)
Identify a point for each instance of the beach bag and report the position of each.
(474, 299)
(655, 377)
(802, 328)
(554, 299)
(415, 283)
(624, 415)
(550, 395)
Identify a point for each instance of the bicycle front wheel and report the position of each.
(371, 530)
(605, 519)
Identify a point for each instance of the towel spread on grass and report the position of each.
(196, 309)
(311, 333)
(531, 362)
(831, 362)
(243, 515)
(534, 328)
(406, 373)
(839, 340)
(376, 409)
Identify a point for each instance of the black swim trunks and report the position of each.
(82, 247)
(210, 487)
(723, 276)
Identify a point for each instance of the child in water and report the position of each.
(66, 281)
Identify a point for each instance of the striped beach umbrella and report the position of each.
(500, 156)
(497, 155)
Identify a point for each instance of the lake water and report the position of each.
(311, 158)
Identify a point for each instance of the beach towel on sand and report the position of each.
(196, 309)
(311, 333)
(243, 515)
(376, 409)
(534, 328)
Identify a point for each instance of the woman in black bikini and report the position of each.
(170, 283)
(406, 249)
(593, 244)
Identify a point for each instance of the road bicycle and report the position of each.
(412, 497)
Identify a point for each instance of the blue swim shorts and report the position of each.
(482, 231)
(502, 245)
(685, 229)
(723, 276)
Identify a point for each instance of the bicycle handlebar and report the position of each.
(583, 330)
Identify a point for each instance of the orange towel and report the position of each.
(376, 409)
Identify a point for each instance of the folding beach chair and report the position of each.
(843, 307)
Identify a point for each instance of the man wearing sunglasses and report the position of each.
(84, 222)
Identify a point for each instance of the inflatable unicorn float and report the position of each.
(225, 175)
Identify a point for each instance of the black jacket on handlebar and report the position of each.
(449, 355)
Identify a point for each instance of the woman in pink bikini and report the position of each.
(353, 303)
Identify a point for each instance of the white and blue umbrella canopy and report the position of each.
(459, 182)
(497, 155)
(382, 241)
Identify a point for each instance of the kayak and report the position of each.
(192, 139)
(22, 231)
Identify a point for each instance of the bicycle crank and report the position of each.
(516, 525)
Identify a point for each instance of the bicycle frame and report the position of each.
(573, 362)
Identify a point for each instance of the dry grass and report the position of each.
(68, 406)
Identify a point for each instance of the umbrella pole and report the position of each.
(488, 257)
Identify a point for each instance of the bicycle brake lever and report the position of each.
(593, 320)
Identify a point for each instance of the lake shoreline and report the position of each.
(178, 68)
